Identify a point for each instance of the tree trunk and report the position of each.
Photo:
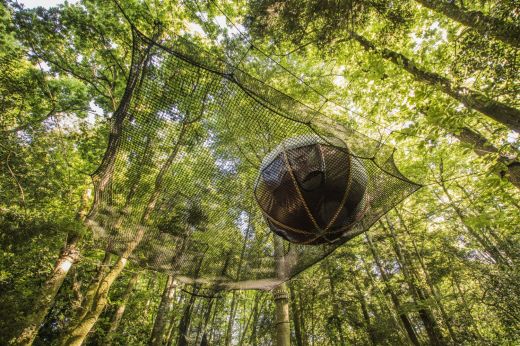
(472, 99)
(430, 324)
(231, 319)
(214, 329)
(295, 317)
(383, 303)
(281, 299)
(301, 308)
(79, 333)
(68, 256)
(483, 24)
(90, 295)
(184, 324)
(433, 287)
(207, 317)
(283, 327)
(121, 307)
(172, 336)
(489, 247)
(150, 288)
(253, 337)
(395, 300)
(364, 310)
(335, 307)
(90, 317)
(156, 339)
(482, 147)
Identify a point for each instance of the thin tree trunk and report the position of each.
(42, 304)
(481, 146)
(490, 248)
(229, 329)
(80, 332)
(121, 307)
(429, 281)
(85, 324)
(252, 338)
(335, 308)
(395, 300)
(184, 324)
(430, 324)
(207, 316)
(246, 326)
(483, 24)
(364, 310)
(68, 256)
(502, 245)
(173, 323)
(383, 304)
(150, 288)
(211, 335)
(472, 99)
(90, 295)
(302, 315)
(295, 317)
(156, 338)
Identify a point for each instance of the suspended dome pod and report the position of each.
(311, 191)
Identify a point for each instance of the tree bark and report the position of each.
(485, 25)
(80, 332)
(335, 308)
(395, 300)
(229, 329)
(184, 324)
(295, 317)
(172, 336)
(207, 317)
(281, 299)
(120, 310)
(90, 295)
(283, 327)
(253, 337)
(509, 116)
(156, 338)
(481, 146)
(429, 281)
(430, 324)
(488, 246)
(90, 317)
(383, 303)
(364, 310)
(68, 256)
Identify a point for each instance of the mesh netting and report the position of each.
(191, 155)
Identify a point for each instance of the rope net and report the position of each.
(194, 156)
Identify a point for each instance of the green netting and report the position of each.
(175, 190)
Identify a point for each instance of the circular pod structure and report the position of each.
(311, 191)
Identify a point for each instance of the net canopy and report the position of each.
(175, 191)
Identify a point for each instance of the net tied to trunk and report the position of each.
(196, 142)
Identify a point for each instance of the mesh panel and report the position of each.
(201, 155)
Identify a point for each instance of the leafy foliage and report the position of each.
(446, 260)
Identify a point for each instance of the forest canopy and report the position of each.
(437, 81)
